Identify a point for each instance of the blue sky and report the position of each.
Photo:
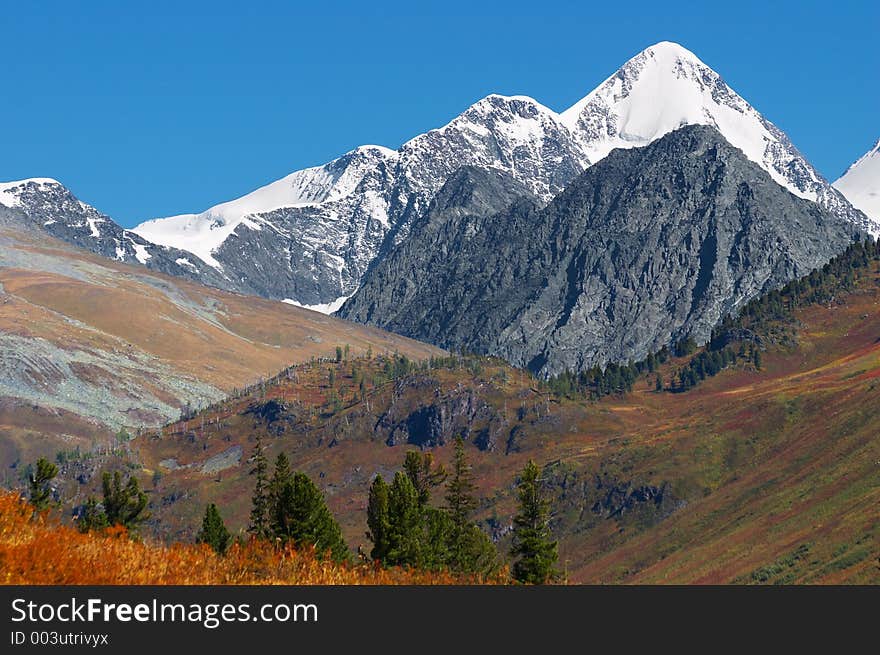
(152, 109)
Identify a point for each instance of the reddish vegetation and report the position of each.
(40, 551)
(774, 473)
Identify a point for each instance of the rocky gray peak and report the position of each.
(643, 248)
(47, 205)
(314, 248)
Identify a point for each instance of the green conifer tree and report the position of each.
(259, 518)
(126, 504)
(405, 526)
(424, 475)
(41, 483)
(469, 549)
(214, 532)
(533, 548)
(92, 516)
(280, 477)
(460, 501)
(377, 519)
(301, 517)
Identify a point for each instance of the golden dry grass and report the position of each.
(40, 551)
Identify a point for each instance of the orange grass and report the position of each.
(41, 551)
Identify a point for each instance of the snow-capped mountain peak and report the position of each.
(861, 183)
(11, 192)
(667, 86)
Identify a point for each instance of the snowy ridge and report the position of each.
(10, 192)
(48, 204)
(861, 184)
(312, 235)
(309, 237)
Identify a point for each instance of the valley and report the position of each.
(752, 476)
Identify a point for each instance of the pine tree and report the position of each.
(405, 527)
(658, 386)
(40, 484)
(460, 500)
(300, 516)
(536, 553)
(124, 505)
(756, 358)
(214, 532)
(377, 519)
(259, 519)
(469, 549)
(420, 469)
(91, 516)
(280, 477)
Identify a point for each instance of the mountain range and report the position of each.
(310, 237)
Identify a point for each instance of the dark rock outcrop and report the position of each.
(645, 247)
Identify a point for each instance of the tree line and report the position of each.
(404, 527)
(750, 326)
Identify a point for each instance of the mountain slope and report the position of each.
(646, 247)
(88, 345)
(861, 183)
(49, 206)
(311, 236)
(777, 483)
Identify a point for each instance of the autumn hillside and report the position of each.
(41, 551)
(766, 472)
(89, 345)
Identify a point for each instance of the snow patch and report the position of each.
(140, 251)
(662, 89)
(325, 308)
(861, 185)
(183, 261)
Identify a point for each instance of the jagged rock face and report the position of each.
(49, 206)
(645, 247)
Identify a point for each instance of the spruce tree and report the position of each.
(469, 549)
(535, 552)
(280, 477)
(214, 532)
(405, 526)
(424, 475)
(259, 519)
(460, 501)
(301, 517)
(126, 504)
(377, 519)
(91, 516)
(40, 484)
